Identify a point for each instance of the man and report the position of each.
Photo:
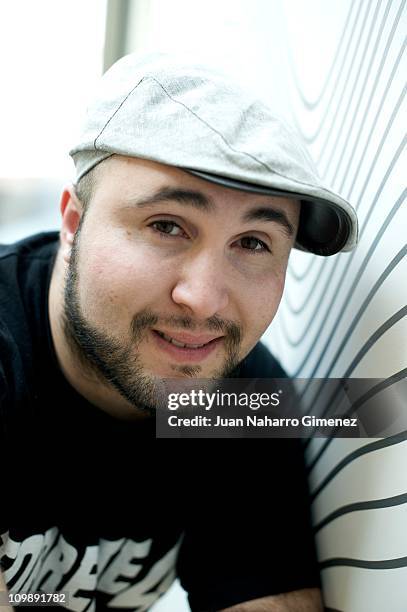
(170, 263)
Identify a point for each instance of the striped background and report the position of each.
(345, 316)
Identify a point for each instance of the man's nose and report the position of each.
(201, 286)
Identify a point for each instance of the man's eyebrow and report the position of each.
(181, 196)
(267, 213)
(202, 202)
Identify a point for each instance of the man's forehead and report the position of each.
(142, 182)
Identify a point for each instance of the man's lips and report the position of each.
(183, 340)
(184, 347)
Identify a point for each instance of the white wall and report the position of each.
(345, 316)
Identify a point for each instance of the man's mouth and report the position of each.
(182, 344)
(186, 347)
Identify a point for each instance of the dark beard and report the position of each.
(118, 364)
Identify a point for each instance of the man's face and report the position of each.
(172, 276)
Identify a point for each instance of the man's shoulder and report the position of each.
(24, 271)
(260, 363)
(22, 266)
(37, 245)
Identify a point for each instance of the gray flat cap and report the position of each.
(159, 108)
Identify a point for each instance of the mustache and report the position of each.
(147, 319)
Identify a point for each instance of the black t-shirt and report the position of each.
(102, 510)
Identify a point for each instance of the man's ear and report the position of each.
(71, 211)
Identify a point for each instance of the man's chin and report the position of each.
(180, 372)
(192, 371)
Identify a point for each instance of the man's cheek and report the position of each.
(118, 284)
(266, 308)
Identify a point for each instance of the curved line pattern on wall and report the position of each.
(342, 78)
(345, 316)
(312, 104)
(368, 505)
(332, 270)
(346, 113)
(368, 447)
(385, 564)
(374, 390)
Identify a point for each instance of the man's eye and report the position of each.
(253, 244)
(167, 227)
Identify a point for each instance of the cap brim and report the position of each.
(324, 227)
